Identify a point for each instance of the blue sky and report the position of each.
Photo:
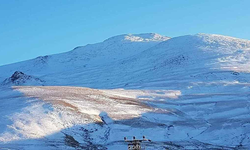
(30, 28)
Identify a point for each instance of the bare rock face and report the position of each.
(18, 75)
(20, 78)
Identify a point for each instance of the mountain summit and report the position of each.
(145, 37)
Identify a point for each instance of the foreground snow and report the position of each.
(69, 117)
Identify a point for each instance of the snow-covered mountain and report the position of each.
(191, 91)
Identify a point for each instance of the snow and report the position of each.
(146, 37)
(191, 91)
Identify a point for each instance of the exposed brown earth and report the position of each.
(84, 101)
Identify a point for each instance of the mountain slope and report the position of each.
(191, 91)
(110, 50)
(120, 60)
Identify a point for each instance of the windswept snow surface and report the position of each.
(187, 92)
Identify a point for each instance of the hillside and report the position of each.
(191, 91)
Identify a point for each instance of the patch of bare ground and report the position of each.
(90, 101)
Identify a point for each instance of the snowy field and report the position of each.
(101, 118)
(187, 92)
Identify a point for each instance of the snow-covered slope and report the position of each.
(128, 59)
(191, 91)
(109, 51)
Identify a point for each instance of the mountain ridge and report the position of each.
(200, 50)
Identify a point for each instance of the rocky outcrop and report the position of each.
(19, 78)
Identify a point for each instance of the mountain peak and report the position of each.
(144, 37)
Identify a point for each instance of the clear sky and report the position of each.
(30, 28)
